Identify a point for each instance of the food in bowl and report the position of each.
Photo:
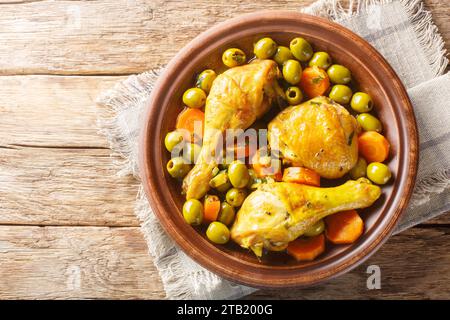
(261, 188)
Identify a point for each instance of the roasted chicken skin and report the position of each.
(318, 134)
(237, 98)
(277, 213)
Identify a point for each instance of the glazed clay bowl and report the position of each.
(372, 74)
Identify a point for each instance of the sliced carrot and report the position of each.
(314, 82)
(278, 176)
(266, 166)
(307, 249)
(373, 146)
(301, 175)
(211, 208)
(344, 227)
(240, 151)
(190, 120)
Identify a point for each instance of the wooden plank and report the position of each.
(51, 110)
(45, 186)
(121, 36)
(44, 262)
(109, 36)
(413, 264)
(68, 186)
(53, 186)
(76, 263)
(105, 37)
(440, 220)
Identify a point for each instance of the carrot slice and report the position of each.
(191, 120)
(344, 227)
(266, 166)
(307, 249)
(301, 175)
(314, 82)
(373, 146)
(211, 208)
(240, 151)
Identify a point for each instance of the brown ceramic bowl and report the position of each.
(373, 75)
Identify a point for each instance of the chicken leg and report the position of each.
(277, 213)
(237, 98)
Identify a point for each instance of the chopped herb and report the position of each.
(199, 81)
(350, 138)
(238, 57)
(268, 213)
(316, 103)
(316, 80)
(318, 153)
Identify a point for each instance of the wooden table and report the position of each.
(67, 228)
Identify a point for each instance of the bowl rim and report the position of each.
(362, 251)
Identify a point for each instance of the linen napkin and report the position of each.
(404, 34)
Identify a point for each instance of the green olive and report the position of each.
(282, 55)
(265, 48)
(178, 167)
(173, 139)
(193, 212)
(359, 170)
(341, 93)
(339, 74)
(320, 59)
(378, 172)
(191, 152)
(220, 182)
(226, 214)
(368, 122)
(294, 95)
(315, 229)
(218, 233)
(361, 102)
(236, 196)
(233, 57)
(194, 98)
(292, 71)
(224, 188)
(238, 174)
(301, 49)
(205, 79)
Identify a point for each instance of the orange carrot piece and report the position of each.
(301, 175)
(189, 119)
(314, 82)
(266, 166)
(344, 227)
(307, 249)
(240, 152)
(373, 146)
(211, 208)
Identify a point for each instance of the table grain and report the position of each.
(67, 228)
